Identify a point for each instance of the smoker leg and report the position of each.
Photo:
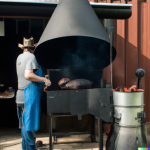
(50, 133)
(93, 137)
(100, 134)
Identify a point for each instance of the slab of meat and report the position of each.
(63, 82)
(77, 84)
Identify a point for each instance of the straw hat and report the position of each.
(27, 43)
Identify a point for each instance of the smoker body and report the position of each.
(95, 101)
(128, 132)
(77, 102)
(128, 106)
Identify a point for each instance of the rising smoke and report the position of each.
(85, 53)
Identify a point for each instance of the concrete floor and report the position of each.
(10, 139)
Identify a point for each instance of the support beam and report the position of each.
(46, 9)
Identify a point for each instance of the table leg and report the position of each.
(100, 134)
(93, 129)
(50, 133)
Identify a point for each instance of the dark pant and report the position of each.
(28, 141)
(29, 138)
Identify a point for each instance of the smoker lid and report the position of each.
(74, 38)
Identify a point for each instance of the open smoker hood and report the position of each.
(74, 38)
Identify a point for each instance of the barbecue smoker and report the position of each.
(75, 45)
(129, 130)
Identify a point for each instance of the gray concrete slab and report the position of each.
(11, 140)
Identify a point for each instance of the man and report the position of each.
(30, 87)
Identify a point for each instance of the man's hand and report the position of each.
(47, 83)
(29, 75)
(45, 89)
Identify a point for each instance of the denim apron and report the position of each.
(32, 98)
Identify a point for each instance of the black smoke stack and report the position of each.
(74, 38)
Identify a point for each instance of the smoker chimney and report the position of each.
(74, 34)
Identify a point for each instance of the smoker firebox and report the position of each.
(95, 101)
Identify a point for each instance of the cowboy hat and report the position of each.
(27, 43)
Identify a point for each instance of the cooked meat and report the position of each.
(63, 82)
(133, 88)
(77, 84)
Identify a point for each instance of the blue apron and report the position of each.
(32, 98)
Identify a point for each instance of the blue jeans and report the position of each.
(28, 141)
(28, 137)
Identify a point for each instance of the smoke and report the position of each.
(81, 56)
(77, 61)
(84, 53)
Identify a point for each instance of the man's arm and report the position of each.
(29, 75)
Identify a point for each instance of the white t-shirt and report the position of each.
(25, 61)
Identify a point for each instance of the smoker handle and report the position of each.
(139, 73)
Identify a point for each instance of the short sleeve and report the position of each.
(32, 63)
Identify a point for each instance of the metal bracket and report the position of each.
(141, 115)
(117, 114)
(79, 116)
